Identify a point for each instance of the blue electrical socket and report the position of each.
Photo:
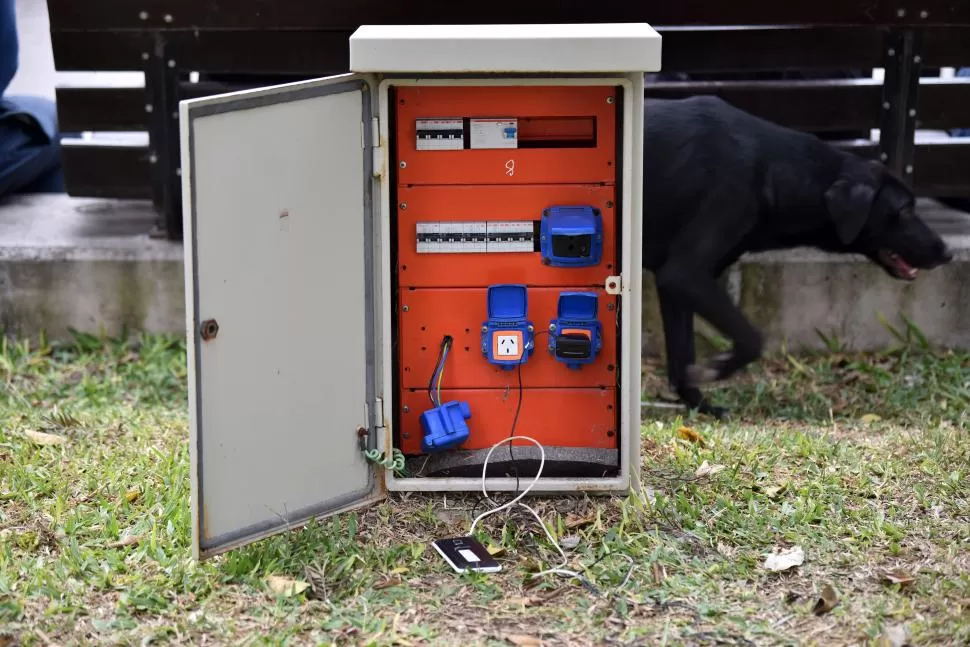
(576, 336)
(508, 337)
(571, 236)
(445, 427)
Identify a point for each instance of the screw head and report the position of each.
(891, 52)
(884, 157)
(145, 56)
(407, 409)
(531, 329)
(912, 112)
(403, 164)
(168, 17)
(404, 206)
(484, 329)
(153, 159)
(209, 329)
(405, 308)
(609, 204)
(610, 99)
(924, 14)
(885, 105)
(171, 63)
(552, 327)
(610, 306)
(909, 169)
(917, 59)
(901, 13)
(149, 107)
(143, 15)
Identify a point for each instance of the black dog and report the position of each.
(718, 183)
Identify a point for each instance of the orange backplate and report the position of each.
(554, 417)
(543, 162)
(434, 313)
(509, 203)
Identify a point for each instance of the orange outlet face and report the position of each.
(424, 207)
(475, 168)
(432, 314)
(554, 417)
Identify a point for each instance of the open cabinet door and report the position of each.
(279, 199)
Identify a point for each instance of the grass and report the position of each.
(861, 460)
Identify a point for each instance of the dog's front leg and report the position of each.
(678, 325)
(694, 290)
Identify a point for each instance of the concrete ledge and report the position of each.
(90, 265)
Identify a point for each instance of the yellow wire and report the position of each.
(441, 375)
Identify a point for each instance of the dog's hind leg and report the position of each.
(678, 325)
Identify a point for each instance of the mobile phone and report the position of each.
(466, 554)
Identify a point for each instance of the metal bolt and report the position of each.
(406, 434)
(143, 15)
(178, 172)
(886, 106)
(168, 17)
(484, 329)
(404, 206)
(609, 99)
(909, 169)
(610, 306)
(884, 157)
(145, 56)
(912, 112)
(153, 159)
(403, 164)
(542, 237)
(149, 107)
(209, 329)
(531, 329)
(901, 13)
(891, 52)
(171, 63)
(175, 115)
(924, 14)
(609, 204)
(552, 327)
(407, 409)
(405, 308)
(917, 59)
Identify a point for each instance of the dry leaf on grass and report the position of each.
(574, 521)
(892, 636)
(570, 542)
(46, 440)
(902, 578)
(388, 583)
(775, 491)
(132, 495)
(132, 540)
(688, 434)
(870, 418)
(524, 641)
(495, 551)
(285, 585)
(659, 573)
(785, 559)
(827, 601)
(400, 570)
(706, 469)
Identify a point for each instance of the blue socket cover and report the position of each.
(444, 427)
(508, 337)
(571, 236)
(576, 337)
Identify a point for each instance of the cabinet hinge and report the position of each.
(614, 284)
(377, 147)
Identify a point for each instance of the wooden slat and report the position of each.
(816, 106)
(944, 104)
(317, 14)
(941, 169)
(107, 171)
(104, 109)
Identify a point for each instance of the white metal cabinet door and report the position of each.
(278, 196)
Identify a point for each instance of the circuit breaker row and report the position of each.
(506, 226)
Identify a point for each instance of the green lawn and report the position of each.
(862, 461)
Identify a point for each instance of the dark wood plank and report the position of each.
(940, 169)
(101, 109)
(107, 171)
(944, 104)
(816, 106)
(314, 14)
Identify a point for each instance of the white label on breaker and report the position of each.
(494, 133)
(511, 237)
(439, 134)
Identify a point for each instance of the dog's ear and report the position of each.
(849, 201)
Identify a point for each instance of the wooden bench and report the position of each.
(244, 43)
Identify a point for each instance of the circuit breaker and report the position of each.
(390, 271)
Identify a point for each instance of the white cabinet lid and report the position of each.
(599, 47)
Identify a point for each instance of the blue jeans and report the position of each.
(30, 159)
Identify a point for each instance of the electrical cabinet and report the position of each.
(419, 259)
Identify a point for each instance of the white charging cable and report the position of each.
(560, 570)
